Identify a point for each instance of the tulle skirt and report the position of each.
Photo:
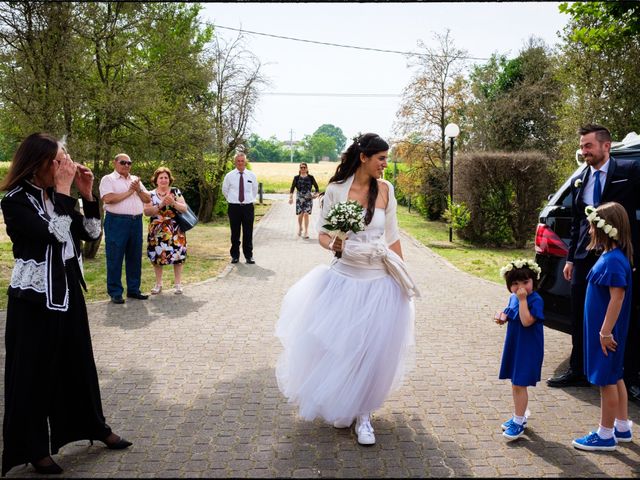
(348, 341)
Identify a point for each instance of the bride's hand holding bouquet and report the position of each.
(344, 217)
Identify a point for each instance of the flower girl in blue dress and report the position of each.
(524, 342)
(607, 311)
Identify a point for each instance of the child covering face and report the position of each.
(524, 343)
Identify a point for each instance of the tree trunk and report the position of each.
(207, 202)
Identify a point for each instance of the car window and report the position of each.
(565, 200)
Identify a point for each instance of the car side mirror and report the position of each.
(550, 196)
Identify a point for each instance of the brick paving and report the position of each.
(190, 380)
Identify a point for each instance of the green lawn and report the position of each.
(481, 262)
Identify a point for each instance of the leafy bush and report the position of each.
(457, 214)
(504, 193)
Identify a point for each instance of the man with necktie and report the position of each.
(604, 180)
(240, 188)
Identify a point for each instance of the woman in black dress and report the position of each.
(303, 182)
(52, 396)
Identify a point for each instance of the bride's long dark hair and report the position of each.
(369, 144)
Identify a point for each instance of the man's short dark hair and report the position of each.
(602, 133)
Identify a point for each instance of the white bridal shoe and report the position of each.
(156, 290)
(342, 423)
(364, 430)
(178, 288)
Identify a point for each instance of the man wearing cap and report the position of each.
(123, 196)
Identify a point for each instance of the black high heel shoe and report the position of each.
(120, 444)
(48, 468)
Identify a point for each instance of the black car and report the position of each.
(552, 241)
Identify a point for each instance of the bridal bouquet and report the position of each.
(345, 217)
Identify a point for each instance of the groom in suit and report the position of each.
(604, 180)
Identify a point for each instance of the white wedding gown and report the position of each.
(347, 333)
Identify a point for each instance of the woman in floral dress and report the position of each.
(166, 242)
(303, 182)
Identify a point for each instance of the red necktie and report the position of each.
(241, 189)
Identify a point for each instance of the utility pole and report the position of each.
(291, 144)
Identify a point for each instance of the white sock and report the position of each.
(604, 432)
(622, 425)
(519, 420)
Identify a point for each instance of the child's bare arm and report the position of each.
(607, 342)
(523, 309)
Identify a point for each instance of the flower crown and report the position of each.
(599, 222)
(521, 263)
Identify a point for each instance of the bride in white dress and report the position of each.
(347, 328)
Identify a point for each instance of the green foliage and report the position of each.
(335, 133)
(269, 150)
(600, 24)
(319, 146)
(457, 214)
(504, 193)
(515, 102)
(600, 72)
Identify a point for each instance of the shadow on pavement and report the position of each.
(244, 428)
(138, 314)
(254, 271)
(561, 455)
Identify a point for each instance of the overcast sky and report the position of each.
(297, 67)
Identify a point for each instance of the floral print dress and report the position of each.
(166, 242)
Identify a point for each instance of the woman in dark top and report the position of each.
(303, 183)
(51, 396)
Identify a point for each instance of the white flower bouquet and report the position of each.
(345, 217)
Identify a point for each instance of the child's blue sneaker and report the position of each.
(623, 436)
(514, 431)
(508, 423)
(593, 442)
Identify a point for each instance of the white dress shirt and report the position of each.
(231, 184)
(587, 193)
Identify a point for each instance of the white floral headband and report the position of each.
(599, 222)
(521, 263)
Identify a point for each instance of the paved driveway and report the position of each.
(190, 380)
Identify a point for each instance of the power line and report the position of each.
(382, 50)
(329, 94)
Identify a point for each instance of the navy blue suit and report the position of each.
(622, 186)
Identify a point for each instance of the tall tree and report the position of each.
(38, 64)
(236, 84)
(434, 97)
(515, 101)
(320, 145)
(335, 133)
(600, 71)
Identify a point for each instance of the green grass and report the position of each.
(479, 261)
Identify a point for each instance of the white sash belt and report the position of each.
(377, 256)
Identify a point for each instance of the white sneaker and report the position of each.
(156, 290)
(178, 288)
(364, 430)
(342, 423)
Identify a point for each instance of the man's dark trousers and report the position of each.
(123, 240)
(241, 217)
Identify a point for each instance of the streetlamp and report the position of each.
(451, 131)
